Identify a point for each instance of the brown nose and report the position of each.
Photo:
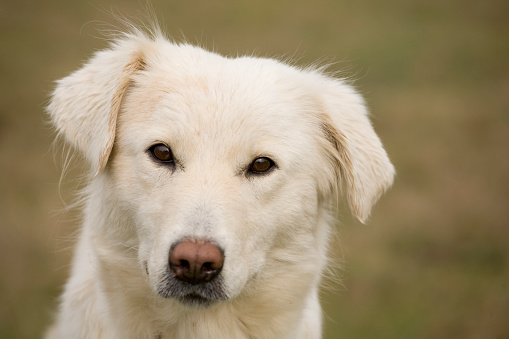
(195, 260)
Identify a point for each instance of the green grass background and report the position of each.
(433, 262)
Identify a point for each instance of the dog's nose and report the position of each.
(196, 261)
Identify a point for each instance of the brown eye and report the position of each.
(161, 153)
(261, 165)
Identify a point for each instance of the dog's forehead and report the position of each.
(203, 96)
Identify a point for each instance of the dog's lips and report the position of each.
(195, 299)
(204, 294)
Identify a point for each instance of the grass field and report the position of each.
(433, 262)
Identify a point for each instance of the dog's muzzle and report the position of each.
(193, 273)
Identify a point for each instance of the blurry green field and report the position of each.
(433, 262)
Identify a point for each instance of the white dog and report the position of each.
(214, 183)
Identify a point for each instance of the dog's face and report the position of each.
(226, 153)
(224, 168)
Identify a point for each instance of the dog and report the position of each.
(213, 188)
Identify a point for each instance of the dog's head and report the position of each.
(224, 170)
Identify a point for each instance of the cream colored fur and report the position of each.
(217, 114)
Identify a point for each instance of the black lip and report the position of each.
(202, 295)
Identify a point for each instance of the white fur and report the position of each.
(217, 114)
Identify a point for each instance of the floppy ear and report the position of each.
(365, 168)
(84, 105)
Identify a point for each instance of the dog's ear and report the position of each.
(84, 105)
(365, 170)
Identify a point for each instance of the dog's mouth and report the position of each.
(196, 295)
(196, 300)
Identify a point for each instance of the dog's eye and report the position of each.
(161, 153)
(261, 165)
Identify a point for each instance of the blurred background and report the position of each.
(433, 261)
